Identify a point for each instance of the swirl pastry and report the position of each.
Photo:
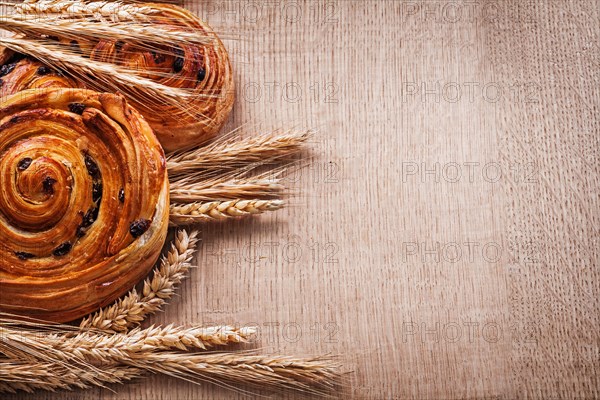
(83, 203)
(205, 69)
(202, 70)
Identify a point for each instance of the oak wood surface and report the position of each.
(444, 241)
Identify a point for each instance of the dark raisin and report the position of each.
(80, 231)
(77, 108)
(62, 249)
(122, 195)
(96, 191)
(178, 64)
(55, 38)
(119, 45)
(74, 44)
(16, 57)
(24, 255)
(201, 75)
(137, 228)
(90, 216)
(158, 57)
(24, 164)
(43, 70)
(92, 167)
(48, 185)
(179, 52)
(7, 69)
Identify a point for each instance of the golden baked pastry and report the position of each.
(204, 70)
(83, 203)
(18, 72)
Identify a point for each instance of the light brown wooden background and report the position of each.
(445, 242)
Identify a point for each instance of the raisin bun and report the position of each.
(84, 201)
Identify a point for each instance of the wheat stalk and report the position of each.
(103, 76)
(231, 152)
(134, 32)
(191, 190)
(184, 214)
(134, 307)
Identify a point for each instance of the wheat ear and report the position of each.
(132, 31)
(156, 338)
(134, 307)
(185, 214)
(111, 10)
(232, 152)
(192, 189)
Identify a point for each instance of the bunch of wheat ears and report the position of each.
(214, 182)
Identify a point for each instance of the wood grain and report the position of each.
(445, 240)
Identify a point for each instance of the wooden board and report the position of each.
(445, 240)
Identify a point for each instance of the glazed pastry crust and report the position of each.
(83, 203)
(21, 73)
